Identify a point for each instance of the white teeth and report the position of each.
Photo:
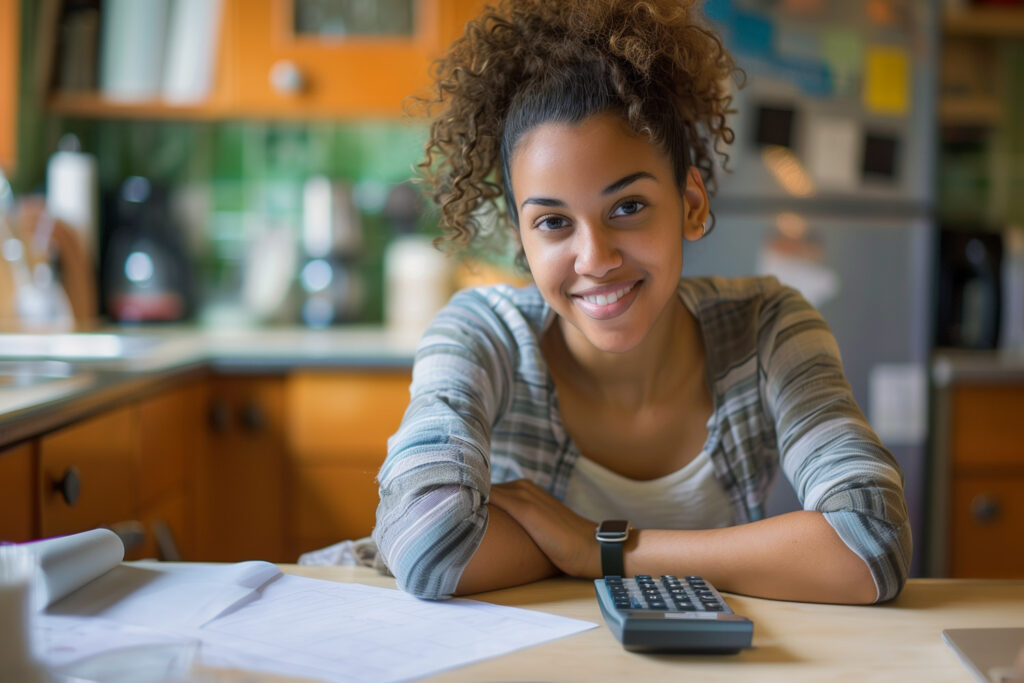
(605, 299)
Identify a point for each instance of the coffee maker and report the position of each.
(146, 271)
(969, 301)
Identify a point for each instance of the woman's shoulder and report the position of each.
(501, 315)
(739, 301)
(506, 302)
(717, 290)
(748, 316)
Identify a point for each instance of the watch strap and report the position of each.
(611, 558)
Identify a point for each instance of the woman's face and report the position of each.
(602, 221)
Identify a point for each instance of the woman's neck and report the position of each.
(670, 356)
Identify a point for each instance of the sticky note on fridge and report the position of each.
(886, 80)
(833, 148)
(843, 51)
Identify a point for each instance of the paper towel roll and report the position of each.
(72, 188)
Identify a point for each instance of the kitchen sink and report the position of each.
(84, 346)
(17, 374)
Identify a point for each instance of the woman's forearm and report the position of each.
(507, 556)
(794, 556)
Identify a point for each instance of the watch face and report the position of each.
(613, 530)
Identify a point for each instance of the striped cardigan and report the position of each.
(483, 408)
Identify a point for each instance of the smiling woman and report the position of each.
(613, 388)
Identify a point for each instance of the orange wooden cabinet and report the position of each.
(239, 476)
(172, 441)
(268, 69)
(985, 487)
(88, 474)
(338, 427)
(273, 70)
(9, 47)
(130, 468)
(17, 493)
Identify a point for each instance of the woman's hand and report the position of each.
(565, 537)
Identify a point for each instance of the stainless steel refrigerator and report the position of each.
(831, 189)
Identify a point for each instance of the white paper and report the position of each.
(898, 403)
(67, 563)
(179, 600)
(351, 632)
(251, 617)
(833, 152)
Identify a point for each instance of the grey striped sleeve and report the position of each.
(435, 479)
(836, 462)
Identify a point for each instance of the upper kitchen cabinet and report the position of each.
(9, 47)
(974, 74)
(273, 58)
(314, 58)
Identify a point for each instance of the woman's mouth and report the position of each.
(608, 303)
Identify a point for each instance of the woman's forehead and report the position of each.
(601, 148)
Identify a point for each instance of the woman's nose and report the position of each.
(597, 254)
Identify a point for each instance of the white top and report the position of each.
(689, 498)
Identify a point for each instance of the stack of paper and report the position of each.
(147, 618)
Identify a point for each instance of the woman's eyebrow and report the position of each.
(542, 201)
(623, 182)
(614, 187)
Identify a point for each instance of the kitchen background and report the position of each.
(236, 163)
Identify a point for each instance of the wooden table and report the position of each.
(793, 641)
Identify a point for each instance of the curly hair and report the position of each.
(523, 63)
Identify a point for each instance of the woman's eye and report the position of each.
(628, 208)
(552, 223)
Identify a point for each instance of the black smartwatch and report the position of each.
(612, 535)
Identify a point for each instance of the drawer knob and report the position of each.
(985, 508)
(69, 486)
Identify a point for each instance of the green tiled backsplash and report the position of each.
(250, 169)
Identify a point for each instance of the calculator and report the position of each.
(671, 614)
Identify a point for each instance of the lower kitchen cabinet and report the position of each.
(240, 491)
(978, 482)
(337, 430)
(88, 474)
(214, 468)
(17, 493)
(172, 440)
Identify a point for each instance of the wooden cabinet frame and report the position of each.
(10, 25)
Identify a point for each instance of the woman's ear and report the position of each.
(695, 205)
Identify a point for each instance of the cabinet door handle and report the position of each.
(287, 78)
(253, 417)
(69, 486)
(220, 416)
(985, 508)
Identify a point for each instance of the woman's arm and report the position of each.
(506, 556)
(794, 556)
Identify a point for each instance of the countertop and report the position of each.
(58, 378)
(952, 366)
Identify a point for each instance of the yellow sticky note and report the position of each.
(886, 80)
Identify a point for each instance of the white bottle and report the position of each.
(72, 191)
(417, 284)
